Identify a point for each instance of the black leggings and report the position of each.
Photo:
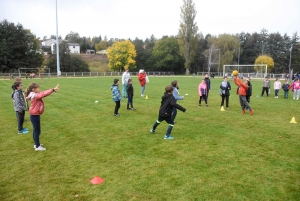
(204, 98)
(118, 104)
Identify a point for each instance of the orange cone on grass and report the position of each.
(97, 180)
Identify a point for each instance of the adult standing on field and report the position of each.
(142, 78)
(266, 86)
(207, 81)
(225, 87)
(125, 78)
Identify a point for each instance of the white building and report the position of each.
(74, 48)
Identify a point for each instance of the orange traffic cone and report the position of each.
(97, 180)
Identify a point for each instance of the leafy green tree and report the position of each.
(68, 62)
(188, 36)
(166, 54)
(121, 55)
(148, 58)
(18, 48)
(200, 60)
(73, 37)
(101, 46)
(264, 60)
(140, 48)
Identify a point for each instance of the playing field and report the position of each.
(215, 155)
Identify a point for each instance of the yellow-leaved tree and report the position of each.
(264, 60)
(121, 55)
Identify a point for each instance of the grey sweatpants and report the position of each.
(244, 103)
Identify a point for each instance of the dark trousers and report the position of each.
(276, 92)
(174, 113)
(263, 91)
(169, 120)
(20, 117)
(204, 97)
(224, 97)
(36, 123)
(130, 100)
(286, 94)
(118, 105)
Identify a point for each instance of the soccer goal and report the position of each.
(34, 72)
(253, 71)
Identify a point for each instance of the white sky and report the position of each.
(142, 18)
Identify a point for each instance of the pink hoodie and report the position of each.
(37, 103)
(202, 86)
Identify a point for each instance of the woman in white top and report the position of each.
(125, 78)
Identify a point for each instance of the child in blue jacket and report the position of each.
(116, 96)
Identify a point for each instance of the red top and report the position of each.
(142, 78)
(242, 87)
(37, 103)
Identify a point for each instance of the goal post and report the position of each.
(254, 71)
(39, 72)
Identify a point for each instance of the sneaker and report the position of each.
(22, 132)
(294, 98)
(142, 95)
(168, 138)
(251, 111)
(152, 131)
(128, 108)
(34, 146)
(40, 148)
(116, 115)
(206, 105)
(132, 108)
(243, 112)
(25, 129)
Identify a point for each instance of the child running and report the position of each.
(165, 111)
(19, 106)
(243, 87)
(202, 90)
(36, 110)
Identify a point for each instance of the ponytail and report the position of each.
(30, 87)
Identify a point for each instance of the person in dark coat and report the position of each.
(225, 88)
(167, 104)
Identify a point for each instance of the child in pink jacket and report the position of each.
(36, 109)
(202, 90)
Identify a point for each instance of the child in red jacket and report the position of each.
(36, 109)
(243, 87)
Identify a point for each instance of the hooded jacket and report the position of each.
(19, 101)
(142, 78)
(167, 103)
(115, 92)
(37, 103)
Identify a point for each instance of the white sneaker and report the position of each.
(294, 98)
(40, 148)
(142, 95)
(34, 146)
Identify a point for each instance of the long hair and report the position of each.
(30, 87)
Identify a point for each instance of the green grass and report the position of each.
(215, 155)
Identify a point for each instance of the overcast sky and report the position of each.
(142, 18)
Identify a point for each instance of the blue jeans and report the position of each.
(169, 120)
(36, 123)
(276, 92)
(143, 89)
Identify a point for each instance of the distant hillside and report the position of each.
(96, 62)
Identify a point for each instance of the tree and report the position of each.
(101, 46)
(121, 55)
(19, 48)
(188, 36)
(264, 60)
(73, 37)
(166, 54)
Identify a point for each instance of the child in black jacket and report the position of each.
(165, 111)
(129, 91)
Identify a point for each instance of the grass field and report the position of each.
(215, 155)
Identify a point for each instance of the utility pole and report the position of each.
(57, 45)
(290, 61)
